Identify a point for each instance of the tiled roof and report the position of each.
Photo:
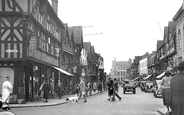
(93, 49)
(77, 34)
(172, 26)
(165, 34)
(137, 58)
(122, 63)
(159, 44)
(87, 46)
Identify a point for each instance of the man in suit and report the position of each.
(177, 91)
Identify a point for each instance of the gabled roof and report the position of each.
(172, 27)
(93, 49)
(87, 46)
(159, 44)
(175, 18)
(77, 34)
(136, 59)
(165, 34)
(144, 56)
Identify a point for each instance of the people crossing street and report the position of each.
(116, 88)
(110, 89)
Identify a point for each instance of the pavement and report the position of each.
(41, 103)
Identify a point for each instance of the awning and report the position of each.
(147, 77)
(63, 71)
(136, 78)
(159, 76)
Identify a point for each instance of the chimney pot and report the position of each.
(55, 6)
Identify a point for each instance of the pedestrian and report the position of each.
(110, 88)
(82, 89)
(59, 89)
(77, 89)
(6, 90)
(41, 90)
(46, 90)
(89, 88)
(94, 86)
(115, 91)
(165, 90)
(177, 91)
(99, 86)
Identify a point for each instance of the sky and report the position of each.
(129, 27)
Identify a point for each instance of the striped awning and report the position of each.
(161, 75)
(147, 77)
(63, 71)
(136, 78)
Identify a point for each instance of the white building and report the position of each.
(83, 61)
(179, 19)
(143, 69)
(119, 69)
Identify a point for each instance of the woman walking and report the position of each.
(165, 86)
(46, 91)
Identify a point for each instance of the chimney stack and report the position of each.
(55, 6)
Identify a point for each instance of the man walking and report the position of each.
(6, 90)
(82, 89)
(177, 91)
(116, 88)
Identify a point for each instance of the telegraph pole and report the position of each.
(160, 30)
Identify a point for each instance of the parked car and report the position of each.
(156, 86)
(129, 86)
(148, 86)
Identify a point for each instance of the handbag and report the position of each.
(160, 90)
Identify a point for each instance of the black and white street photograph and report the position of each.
(91, 57)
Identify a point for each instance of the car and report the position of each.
(156, 86)
(129, 86)
(148, 86)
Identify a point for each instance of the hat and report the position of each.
(181, 65)
(167, 72)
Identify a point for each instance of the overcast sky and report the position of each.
(130, 27)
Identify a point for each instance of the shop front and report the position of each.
(35, 75)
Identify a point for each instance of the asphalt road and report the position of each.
(140, 103)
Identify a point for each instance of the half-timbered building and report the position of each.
(30, 45)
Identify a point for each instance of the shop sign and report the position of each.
(82, 74)
(32, 43)
(11, 51)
